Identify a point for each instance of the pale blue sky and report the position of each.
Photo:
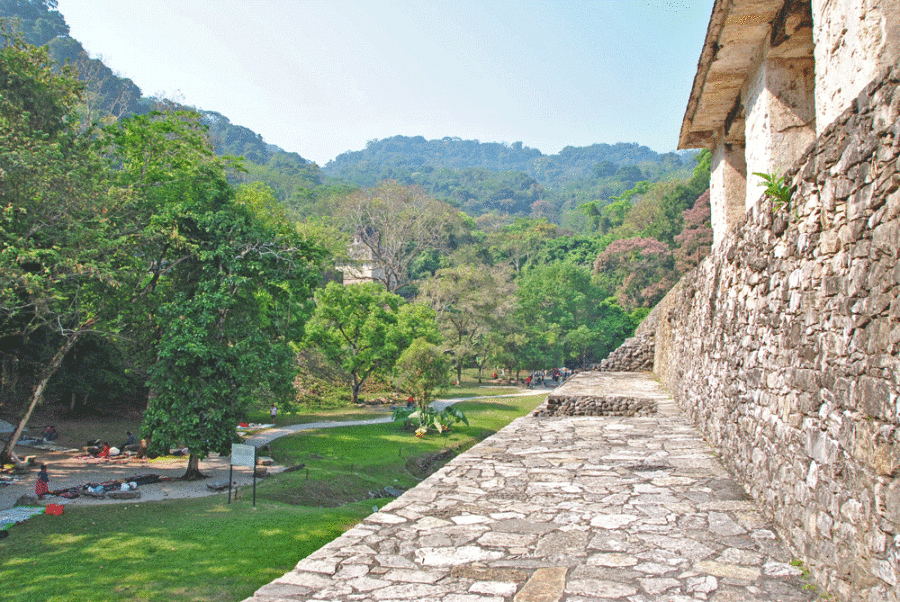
(320, 77)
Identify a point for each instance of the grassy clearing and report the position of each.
(472, 390)
(198, 550)
(206, 550)
(346, 463)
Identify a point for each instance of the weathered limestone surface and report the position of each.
(784, 347)
(780, 122)
(573, 508)
(854, 41)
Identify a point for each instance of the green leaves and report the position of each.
(421, 370)
(559, 312)
(425, 419)
(364, 328)
(776, 189)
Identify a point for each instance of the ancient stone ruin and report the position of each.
(599, 394)
(634, 355)
(784, 344)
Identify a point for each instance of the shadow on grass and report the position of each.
(187, 550)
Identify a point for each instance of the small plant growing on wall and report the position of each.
(776, 189)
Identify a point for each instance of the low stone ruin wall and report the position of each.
(596, 406)
(634, 355)
(578, 396)
(783, 346)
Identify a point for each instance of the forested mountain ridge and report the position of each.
(108, 93)
(491, 179)
(495, 178)
(571, 163)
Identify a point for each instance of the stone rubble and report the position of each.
(633, 355)
(634, 509)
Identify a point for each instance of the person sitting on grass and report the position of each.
(104, 451)
(129, 440)
(42, 487)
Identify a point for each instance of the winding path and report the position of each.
(267, 436)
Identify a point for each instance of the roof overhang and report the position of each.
(734, 39)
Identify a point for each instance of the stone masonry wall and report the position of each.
(635, 354)
(854, 41)
(784, 347)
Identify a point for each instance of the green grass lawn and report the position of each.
(345, 463)
(195, 550)
(473, 390)
(304, 415)
(205, 549)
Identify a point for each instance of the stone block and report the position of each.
(874, 398)
(885, 238)
(879, 333)
(890, 509)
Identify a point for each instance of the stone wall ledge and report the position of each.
(598, 393)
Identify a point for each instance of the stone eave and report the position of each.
(734, 38)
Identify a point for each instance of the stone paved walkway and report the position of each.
(562, 509)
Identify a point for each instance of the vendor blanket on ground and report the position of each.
(114, 485)
(18, 515)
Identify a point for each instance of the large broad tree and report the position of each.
(133, 230)
(60, 267)
(470, 302)
(561, 309)
(364, 328)
(227, 285)
(422, 369)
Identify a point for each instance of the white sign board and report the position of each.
(243, 455)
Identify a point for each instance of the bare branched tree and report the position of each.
(103, 99)
(393, 224)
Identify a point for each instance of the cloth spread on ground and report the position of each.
(253, 426)
(44, 445)
(116, 485)
(17, 515)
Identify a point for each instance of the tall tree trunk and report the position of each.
(193, 469)
(8, 454)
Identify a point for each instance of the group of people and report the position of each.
(105, 451)
(50, 433)
(557, 375)
(42, 486)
